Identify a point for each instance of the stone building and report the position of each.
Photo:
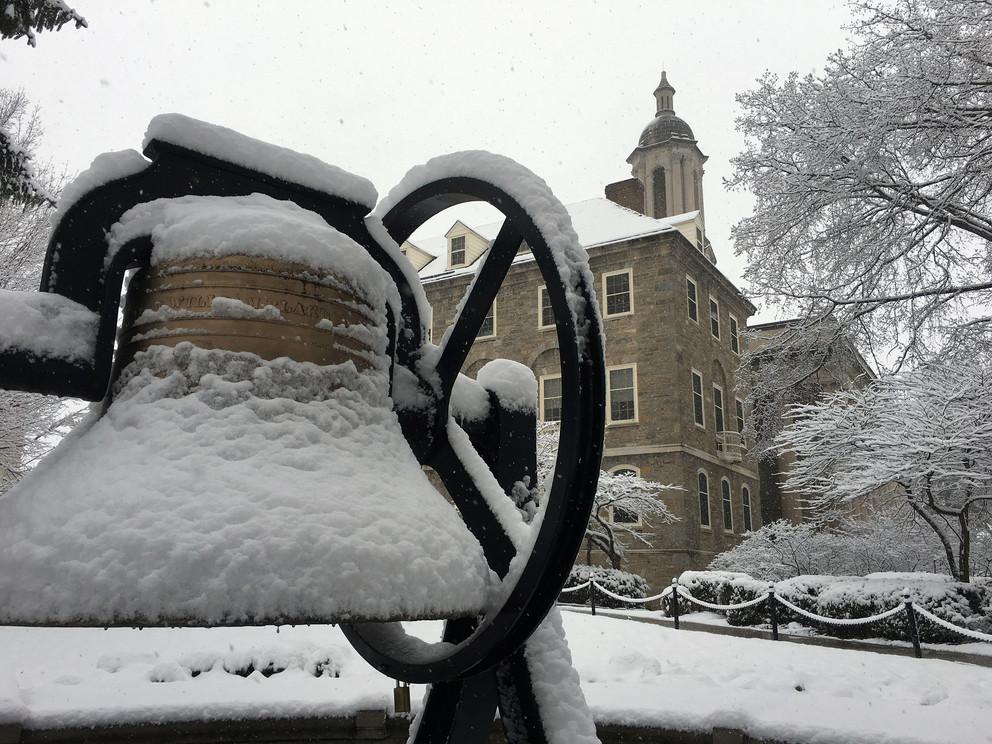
(673, 325)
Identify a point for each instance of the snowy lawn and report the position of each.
(632, 672)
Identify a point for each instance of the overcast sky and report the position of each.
(563, 87)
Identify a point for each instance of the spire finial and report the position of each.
(664, 94)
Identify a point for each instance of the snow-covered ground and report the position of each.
(632, 672)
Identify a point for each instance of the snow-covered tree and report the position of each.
(28, 422)
(922, 439)
(875, 542)
(873, 182)
(626, 506)
(29, 17)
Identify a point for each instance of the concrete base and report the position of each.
(365, 726)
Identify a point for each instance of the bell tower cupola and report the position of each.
(667, 161)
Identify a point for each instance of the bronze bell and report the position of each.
(249, 468)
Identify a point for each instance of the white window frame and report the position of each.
(709, 505)
(495, 329)
(542, 380)
(541, 293)
(746, 514)
(727, 505)
(740, 421)
(734, 329)
(695, 285)
(709, 316)
(609, 396)
(702, 397)
(451, 243)
(636, 471)
(630, 291)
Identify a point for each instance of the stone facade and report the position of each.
(650, 332)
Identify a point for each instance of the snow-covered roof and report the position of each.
(597, 222)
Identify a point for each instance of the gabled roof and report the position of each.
(597, 222)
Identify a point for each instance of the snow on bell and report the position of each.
(246, 465)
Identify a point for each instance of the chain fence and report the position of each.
(771, 600)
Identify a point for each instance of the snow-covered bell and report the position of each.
(249, 467)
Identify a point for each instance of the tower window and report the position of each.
(735, 339)
(660, 193)
(714, 318)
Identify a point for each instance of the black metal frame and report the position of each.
(485, 663)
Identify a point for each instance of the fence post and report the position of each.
(592, 585)
(675, 602)
(772, 610)
(914, 631)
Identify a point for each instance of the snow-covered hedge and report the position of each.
(619, 582)
(841, 597)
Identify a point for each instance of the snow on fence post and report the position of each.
(772, 610)
(914, 631)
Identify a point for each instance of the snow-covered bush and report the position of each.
(710, 586)
(967, 605)
(619, 582)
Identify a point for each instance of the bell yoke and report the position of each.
(273, 358)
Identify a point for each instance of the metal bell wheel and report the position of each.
(480, 665)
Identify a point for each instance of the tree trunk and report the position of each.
(948, 549)
(964, 549)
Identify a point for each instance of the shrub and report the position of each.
(619, 582)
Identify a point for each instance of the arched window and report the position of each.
(660, 193)
(746, 507)
(704, 499)
(728, 512)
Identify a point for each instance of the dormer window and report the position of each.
(457, 252)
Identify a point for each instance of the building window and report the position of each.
(551, 398)
(703, 486)
(692, 297)
(717, 409)
(746, 507)
(714, 318)
(616, 290)
(699, 240)
(622, 403)
(735, 340)
(739, 411)
(545, 315)
(457, 255)
(697, 399)
(488, 329)
(728, 512)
